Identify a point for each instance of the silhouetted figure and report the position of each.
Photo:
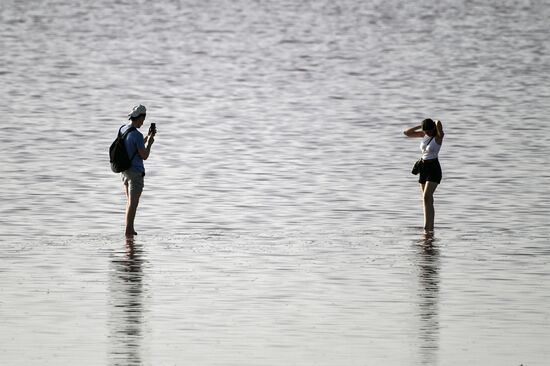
(138, 150)
(430, 170)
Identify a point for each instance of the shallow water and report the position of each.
(279, 222)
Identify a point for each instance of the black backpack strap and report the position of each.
(122, 137)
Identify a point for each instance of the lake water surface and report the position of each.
(280, 224)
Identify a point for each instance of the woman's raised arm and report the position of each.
(414, 132)
(440, 133)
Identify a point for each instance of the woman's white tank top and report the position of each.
(431, 150)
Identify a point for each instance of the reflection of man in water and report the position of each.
(126, 307)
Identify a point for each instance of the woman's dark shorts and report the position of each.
(430, 171)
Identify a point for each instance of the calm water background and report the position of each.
(279, 223)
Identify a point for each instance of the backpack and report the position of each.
(118, 154)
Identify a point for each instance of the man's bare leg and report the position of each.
(131, 209)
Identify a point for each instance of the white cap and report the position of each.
(137, 111)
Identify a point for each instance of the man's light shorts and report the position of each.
(134, 180)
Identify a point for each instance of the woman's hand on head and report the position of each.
(440, 133)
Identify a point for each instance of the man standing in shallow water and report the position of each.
(133, 178)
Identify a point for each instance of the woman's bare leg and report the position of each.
(428, 190)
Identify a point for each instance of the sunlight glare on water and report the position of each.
(279, 223)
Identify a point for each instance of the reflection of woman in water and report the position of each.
(428, 299)
(430, 171)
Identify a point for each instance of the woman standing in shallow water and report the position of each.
(430, 171)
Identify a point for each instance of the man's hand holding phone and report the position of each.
(153, 129)
(151, 135)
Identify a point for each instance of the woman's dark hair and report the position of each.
(428, 124)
